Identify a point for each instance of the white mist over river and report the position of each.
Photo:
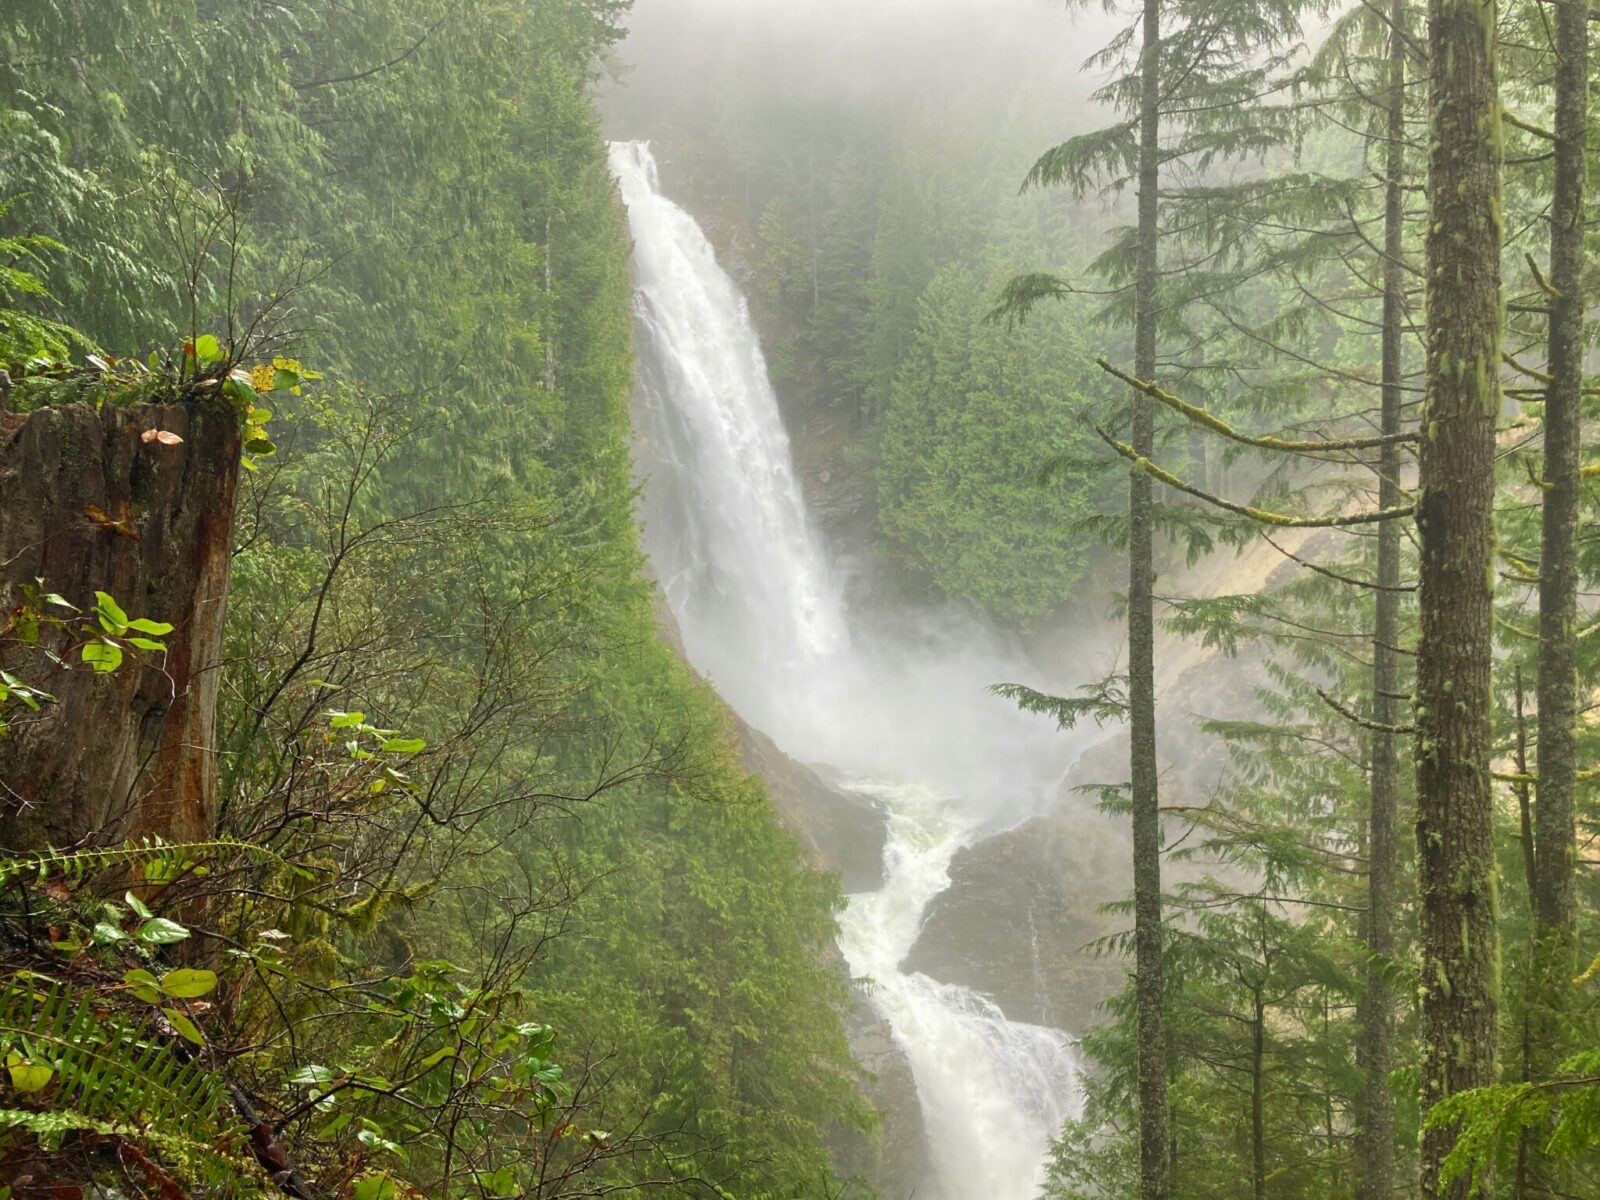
(896, 706)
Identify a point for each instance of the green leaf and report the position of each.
(344, 720)
(502, 1182)
(373, 1187)
(160, 931)
(145, 985)
(374, 1140)
(153, 628)
(105, 933)
(186, 1028)
(140, 909)
(437, 1057)
(105, 657)
(142, 643)
(30, 696)
(207, 349)
(110, 613)
(186, 984)
(312, 1075)
(405, 746)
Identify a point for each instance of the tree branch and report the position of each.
(1201, 417)
(381, 67)
(1282, 520)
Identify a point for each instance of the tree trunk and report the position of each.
(1154, 1171)
(1375, 1137)
(1258, 1098)
(1455, 517)
(1555, 858)
(88, 505)
(1527, 1142)
(1555, 900)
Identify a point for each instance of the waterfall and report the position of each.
(895, 703)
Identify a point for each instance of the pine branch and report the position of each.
(1357, 718)
(381, 67)
(1105, 700)
(1511, 361)
(1511, 118)
(1349, 579)
(1217, 425)
(1023, 294)
(1282, 520)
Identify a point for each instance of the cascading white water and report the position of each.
(898, 706)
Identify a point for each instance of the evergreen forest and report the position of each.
(739, 600)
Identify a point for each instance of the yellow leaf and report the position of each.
(29, 1077)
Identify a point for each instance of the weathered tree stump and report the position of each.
(88, 504)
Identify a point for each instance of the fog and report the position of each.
(906, 55)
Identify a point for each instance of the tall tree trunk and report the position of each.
(1154, 1166)
(1527, 1142)
(1555, 901)
(1555, 858)
(549, 380)
(1375, 1139)
(1258, 1097)
(1455, 517)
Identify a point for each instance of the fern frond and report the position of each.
(103, 1068)
(163, 861)
(109, 1076)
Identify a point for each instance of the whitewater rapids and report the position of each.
(898, 705)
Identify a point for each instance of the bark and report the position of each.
(1455, 517)
(127, 754)
(1555, 846)
(1527, 1143)
(1375, 1136)
(1555, 900)
(1258, 1098)
(1154, 1162)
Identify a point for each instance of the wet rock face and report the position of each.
(842, 830)
(87, 504)
(1022, 912)
(1020, 915)
(895, 1160)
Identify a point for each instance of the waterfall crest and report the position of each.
(897, 704)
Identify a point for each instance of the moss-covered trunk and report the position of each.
(1555, 858)
(87, 504)
(1455, 516)
(1375, 1135)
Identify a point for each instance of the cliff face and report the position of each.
(89, 503)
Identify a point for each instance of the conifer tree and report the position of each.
(1375, 1130)
(1555, 901)
(1192, 97)
(1455, 519)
